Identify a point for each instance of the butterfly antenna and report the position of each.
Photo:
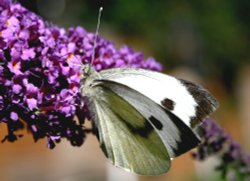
(96, 34)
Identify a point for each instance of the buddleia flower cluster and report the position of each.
(234, 162)
(40, 74)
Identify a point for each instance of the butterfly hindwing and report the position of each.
(177, 137)
(126, 136)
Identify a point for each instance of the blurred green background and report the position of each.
(204, 41)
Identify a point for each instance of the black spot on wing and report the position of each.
(188, 139)
(158, 125)
(168, 104)
(206, 102)
(143, 130)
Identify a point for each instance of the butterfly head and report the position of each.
(86, 69)
(88, 73)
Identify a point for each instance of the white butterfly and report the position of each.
(144, 118)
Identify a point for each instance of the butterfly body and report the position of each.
(144, 118)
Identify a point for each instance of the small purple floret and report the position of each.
(234, 162)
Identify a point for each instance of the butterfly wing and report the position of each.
(177, 137)
(144, 118)
(126, 137)
(189, 102)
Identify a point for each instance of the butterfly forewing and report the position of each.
(126, 136)
(190, 102)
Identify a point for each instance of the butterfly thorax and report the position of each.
(88, 80)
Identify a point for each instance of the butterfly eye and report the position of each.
(86, 69)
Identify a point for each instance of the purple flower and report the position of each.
(13, 116)
(40, 79)
(24, 35)
(32, 103)
(28, 53)
(15, 67)
(16, 88)
(7, 34)
(30, 88)
(5, 3)
(13, 23)
(234, 162)
(1, 103)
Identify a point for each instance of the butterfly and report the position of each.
(144, 119)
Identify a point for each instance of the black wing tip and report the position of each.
(205, 100)
(188, 139)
